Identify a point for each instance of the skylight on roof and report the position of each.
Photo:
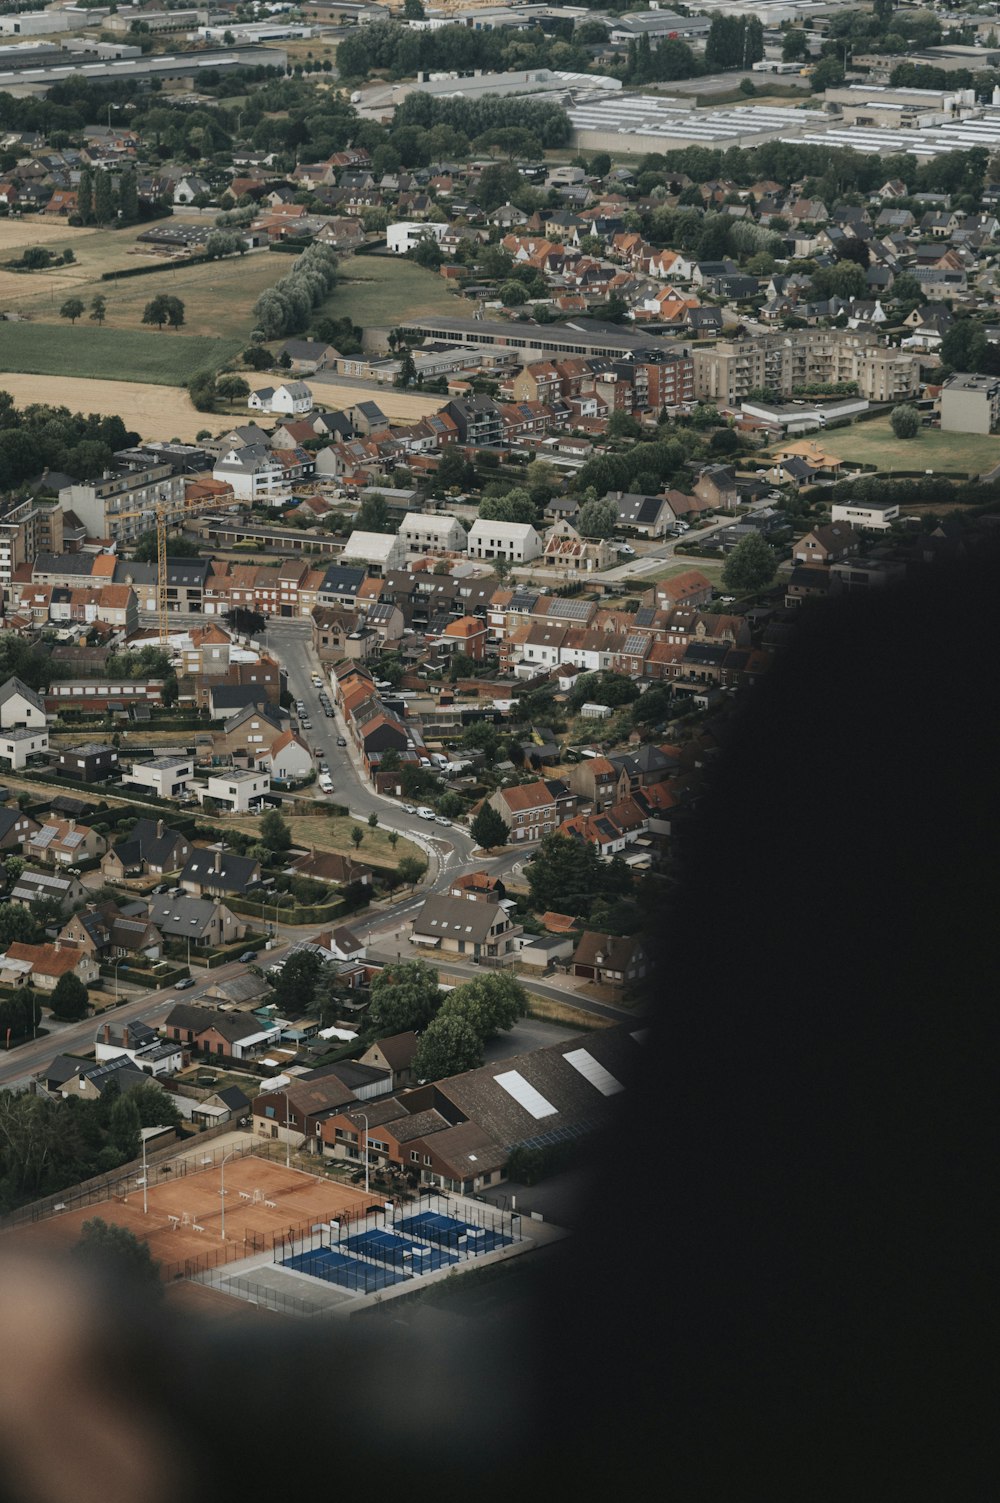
(592, 1070)
(525, 1094)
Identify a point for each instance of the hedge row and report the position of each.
(146, 271)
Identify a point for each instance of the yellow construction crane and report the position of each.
(164, 514)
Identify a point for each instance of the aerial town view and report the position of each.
(435, 443)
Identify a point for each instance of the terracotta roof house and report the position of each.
(45, 965)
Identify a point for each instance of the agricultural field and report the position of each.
(218, 296)
(875, 444)
(161, 358)
(380, 292)
(154, 412)
(333, 833)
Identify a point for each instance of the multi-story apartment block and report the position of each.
(27, 529)
(971, 404)
(123, 506)
(781, 360)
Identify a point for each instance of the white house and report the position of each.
(20, 707)
(292, 399)
(517, 542)
(290, 757)
(433, 533)
(253, 472)
(872, 516)
(167, 777)
(17, 746)
(378, 551)
(190, 188)
(239, 791)
(405, 234)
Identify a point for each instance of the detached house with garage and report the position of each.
(455, 926)
(151, 849)
(216, 873)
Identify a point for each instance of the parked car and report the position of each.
(324, 767)
(183, 985)
(247, 956)
(408, 808)
(341, 740)
(425, 813)
(627, 549)
(439, 819)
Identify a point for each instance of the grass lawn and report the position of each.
(380, 292)
(875, 443)
(333, 833)
(163, 359)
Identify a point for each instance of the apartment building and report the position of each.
(781, 360)
(25, 530)
(971, 404)
(123, 506)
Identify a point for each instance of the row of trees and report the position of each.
(401, 52)
(287, 307)
(41, 436)
(47, 1145)
(106, 198)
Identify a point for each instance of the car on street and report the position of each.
(439, 819)
(425, 813)
(183, 985)
(408, 808)
(328, 712)
(247, 956)
(627, 549)
(324, 767)
(341, 740)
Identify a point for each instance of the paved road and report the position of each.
(446, 848)
(69, 1038)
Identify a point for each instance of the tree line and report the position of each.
(39, 437)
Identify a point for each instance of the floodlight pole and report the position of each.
(145, 1177)
(222, 1188)
(365, 1121)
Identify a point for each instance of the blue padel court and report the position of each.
(448, 1231)
(400, 1252)
(338, 1268)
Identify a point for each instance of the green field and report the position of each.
(379, 292)
(163, 359)
(875, 443)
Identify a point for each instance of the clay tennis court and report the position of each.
(286, 1200)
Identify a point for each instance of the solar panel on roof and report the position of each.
(524, 1094)
(575, 610)
(592, 1070)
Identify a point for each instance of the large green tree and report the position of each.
(404, 996)
(69, 999)
(750, 566)
(296, 980)
(489, 828)
(274, 832)
(118, 1254)
(567, 876)
(491, 1004)
(449, 1046)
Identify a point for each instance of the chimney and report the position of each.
(159, 829)
(107, 1033)
(72, 824)
(58, 944)
(125, 1037)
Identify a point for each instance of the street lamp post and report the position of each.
(365, 1121)
(222, 1188)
